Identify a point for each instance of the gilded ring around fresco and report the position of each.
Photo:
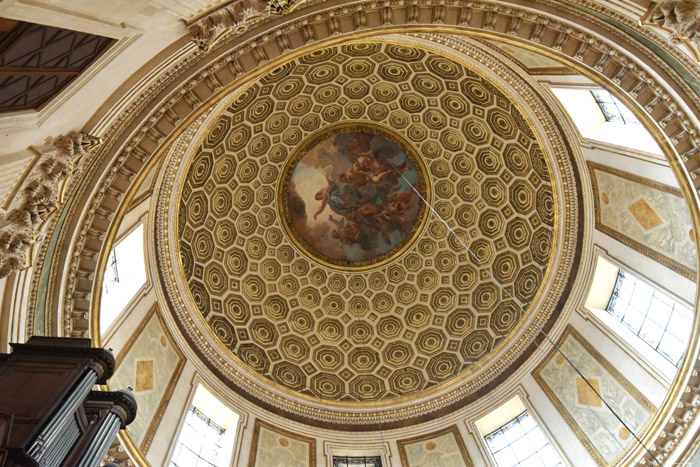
(423, 316)
(351, 195)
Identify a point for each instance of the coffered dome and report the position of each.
(365, 225)
(308, 217)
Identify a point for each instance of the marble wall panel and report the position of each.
(645, 215)
(274, 447)
(580, 404)
(445, 448)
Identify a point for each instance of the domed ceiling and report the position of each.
(306, 241)
(311, 223)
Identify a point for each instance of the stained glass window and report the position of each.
(613, 109)
(199, 443)
(521, 442)
(659, 320)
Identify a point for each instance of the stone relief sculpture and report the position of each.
(38, 197)
(681, 16)
(234, 18)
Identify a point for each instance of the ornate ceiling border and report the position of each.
(444, 398)
(618, 56)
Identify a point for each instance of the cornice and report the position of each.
(658, 92)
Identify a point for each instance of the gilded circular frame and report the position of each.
(376, 129)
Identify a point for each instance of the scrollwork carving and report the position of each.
(681, 16)
(235, 18)
(39, 197)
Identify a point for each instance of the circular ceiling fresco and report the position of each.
(352, 195)
(305, 244)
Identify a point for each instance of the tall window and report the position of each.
(521, 442)
(613, 109)
(125, 274)
(200, 442)
(659, 320)
(600, 116)
(208, 434)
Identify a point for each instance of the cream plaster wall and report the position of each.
(631, 164)
(12, 168)
(13, 314)
(142, 30)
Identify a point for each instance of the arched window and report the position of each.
(652, 315)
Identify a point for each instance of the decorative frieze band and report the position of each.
(603, 56)
(235, 18)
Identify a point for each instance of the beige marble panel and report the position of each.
(151, 365)
(580, 404)
(445, 448)
(275, 447)
(645, 215)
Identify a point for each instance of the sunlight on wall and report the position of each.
(603, 284)
(591, 122)
(125, 274)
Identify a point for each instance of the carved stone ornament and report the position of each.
(681, 16)
(679, 21)
(38, 197)
(234, 18)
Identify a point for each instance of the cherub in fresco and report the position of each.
(323, 196)
(366, 216)
(348, 234)
(390, 177)
(353, 176)
(392, 214)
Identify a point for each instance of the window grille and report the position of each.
(199, 443)
(613, 109)
(522, 442)
(363, 461)
(659, 320)
(111, 273)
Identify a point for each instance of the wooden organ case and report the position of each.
(50, 416)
